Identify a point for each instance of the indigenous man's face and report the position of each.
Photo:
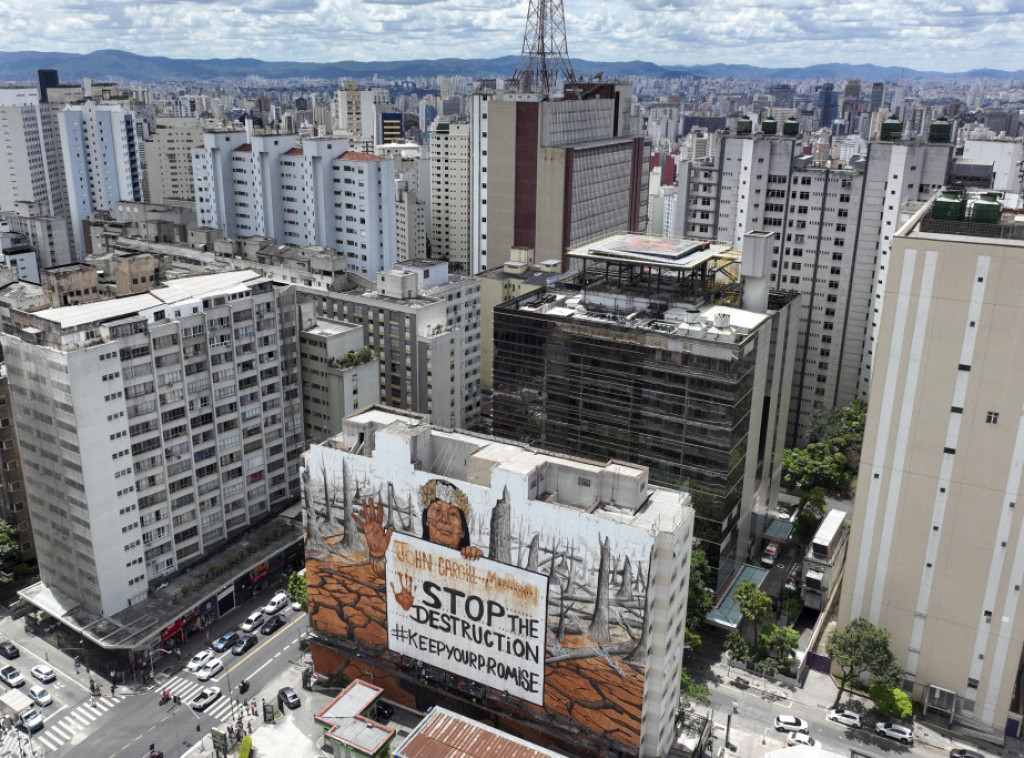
(444, 526)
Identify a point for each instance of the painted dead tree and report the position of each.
(599, 623)
(501, 529)
(351, 541)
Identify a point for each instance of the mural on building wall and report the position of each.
(534, 603)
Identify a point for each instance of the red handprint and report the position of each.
(404, 595)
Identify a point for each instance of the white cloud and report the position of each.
(777, 33)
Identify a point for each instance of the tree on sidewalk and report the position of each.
(860, 648)
(690, 693)
(297, 589)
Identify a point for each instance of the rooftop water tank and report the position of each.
(986, 210)
(940, 130)
(744, 125)
(791, 127)
(769, 126)
(892, 130)
(948, 207)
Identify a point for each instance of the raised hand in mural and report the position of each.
(377, 537)
(404, 595)
(472, 552)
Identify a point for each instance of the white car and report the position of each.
(43, 673)
(199, 660)
(204, 699)
(800, 738)
(253, 622)
(40, 695)
(277, 603)
(786, 723)
(842, 716)
(895, 731)
(11, 676)
(210, 669)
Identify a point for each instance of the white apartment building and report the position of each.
(102, 160)
(354, 112)
(32, 165)
(153, 428)
(424, 326)
(315, 193)
(169, 159)
(450, 194)
(833, 222)
(936, 553)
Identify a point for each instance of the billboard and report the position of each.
(480, 619)
(524, 606)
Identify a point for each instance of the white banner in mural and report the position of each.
(476, 618)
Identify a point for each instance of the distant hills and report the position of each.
(119, 65)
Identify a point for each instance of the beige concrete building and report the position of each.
(937, 548)
(449, 195)
(169, 159)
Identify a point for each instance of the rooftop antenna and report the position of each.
(545, 52)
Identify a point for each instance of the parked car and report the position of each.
(254, 621)
(277, 603)
(963, 752)
(272, 624)
(8, 650)
(842, 716)
(226, 641)
(245, 642)
(770, 554)
(287, 696)
(30, 720)
(793, 580)
(11, 677)
(44, 673)
(210, 669)
(40, 695)
(787, 723)
(204, 699)
(895, 731)
(199, 660)
(800, 738)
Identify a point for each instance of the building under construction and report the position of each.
(666, 353)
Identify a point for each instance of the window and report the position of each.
(992, 417)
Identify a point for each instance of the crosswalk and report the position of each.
(56, 733)
(187, 687)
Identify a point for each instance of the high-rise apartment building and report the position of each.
(450, 178)
(549, 174)
(355, 114)
(424, 327)
(641, 361)
(937, 553)
(833, 222)
(316, 193)
(169, 159)
(102, 160)
(153, 428)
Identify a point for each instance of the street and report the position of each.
(126, 724)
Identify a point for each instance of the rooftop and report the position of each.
(352, 155)
(345, 723)
(443, 734)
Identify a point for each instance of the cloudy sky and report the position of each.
(922, 35)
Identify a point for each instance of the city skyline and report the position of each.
(975, 35)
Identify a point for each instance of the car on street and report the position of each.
(210, 669)
(199, 659)
(272, 624)
(277, 603)
(245, 642)
(40, 695)
(9, 650)
(843, 716)
(30, 720)
(963, 752)
(895, 731)
(226, 641)
(254, 621)
(11, 677)
(800, 738)
(204, 699)
(44, 673)
(770, 554)
(787, 723)
(287, 696)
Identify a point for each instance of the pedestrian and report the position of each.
(249, 729)
(231, 733)
(735, 707)
(263, 703)
(245, 704)
(113, 688)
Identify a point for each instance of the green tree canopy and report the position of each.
(297, 589)
(690, 692)
(10, 545)
(700, 599)
(755, 605)
(780, 640)
(830, 457)
(860, 648)
(891, 701)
